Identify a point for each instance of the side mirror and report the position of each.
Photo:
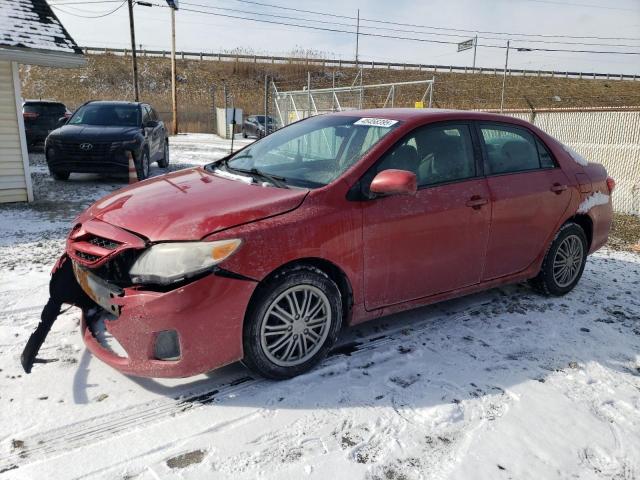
(394, 182)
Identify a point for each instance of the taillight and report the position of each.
(67, 115)
(611, 184)
(30, 115)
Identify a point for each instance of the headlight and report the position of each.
(167, 263)
(125, 143)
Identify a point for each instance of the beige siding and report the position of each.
(13, 182)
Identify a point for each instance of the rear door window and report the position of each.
(509, 149)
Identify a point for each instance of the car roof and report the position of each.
(29, 100)
(113, 102)
(426, 115)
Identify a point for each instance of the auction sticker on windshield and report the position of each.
(376, 122)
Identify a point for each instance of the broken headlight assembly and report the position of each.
(167, 263)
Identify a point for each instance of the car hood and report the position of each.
(190, 204)
(94, 132)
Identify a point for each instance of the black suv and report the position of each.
(40, 117)
(99, 136)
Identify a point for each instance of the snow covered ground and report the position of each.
(502, 384)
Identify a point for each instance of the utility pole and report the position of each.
(174, 91)
(357, 37)
(133, 52)
(504, 77)
(475, 47)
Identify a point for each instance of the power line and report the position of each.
(583, 5)
(91, 16)
(467, 31)
(560, 42)
(64, 3)
(311, 27)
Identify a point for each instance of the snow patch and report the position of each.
(579, 159)
(232, 176)
(597, 198)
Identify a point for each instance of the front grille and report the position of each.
(87, 257)
(103, 242)
(116, 269)
(98, 149)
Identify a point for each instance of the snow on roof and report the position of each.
(31, 24)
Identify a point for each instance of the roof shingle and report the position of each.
(32, 24)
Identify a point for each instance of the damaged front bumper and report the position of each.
(132, 329)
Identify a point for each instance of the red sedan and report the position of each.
(265, 255)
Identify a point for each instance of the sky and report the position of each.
(616, 22)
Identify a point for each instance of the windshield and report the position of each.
(107, 115)
(314, 152)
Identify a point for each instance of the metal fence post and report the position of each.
(309, 92)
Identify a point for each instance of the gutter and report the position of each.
(47, 58)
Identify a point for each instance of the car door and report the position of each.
(529, 195)
(148, 131)
(159, 133)
(433, 242)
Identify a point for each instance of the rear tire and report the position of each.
(63, 176)
(564, 262)
(292, 323)
(164, 161)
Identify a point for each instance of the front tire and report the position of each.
(564, 262)
(164, 161)
(143, 166)
(292, 323)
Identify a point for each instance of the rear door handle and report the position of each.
(477, 202)
(558, 188)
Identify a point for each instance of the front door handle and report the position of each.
(558, 188)
(477, 202)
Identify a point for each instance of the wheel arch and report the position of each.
(332, 270)
(584, 221)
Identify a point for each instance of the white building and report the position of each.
(29, 34)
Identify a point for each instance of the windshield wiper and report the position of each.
(273, 179)
(276, 180)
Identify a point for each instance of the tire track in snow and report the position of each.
(96, 429)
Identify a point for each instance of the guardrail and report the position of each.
(332, 62)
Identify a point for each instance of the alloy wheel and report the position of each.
(295, 325)
(568, 261)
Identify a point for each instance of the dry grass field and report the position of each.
(109, 77)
